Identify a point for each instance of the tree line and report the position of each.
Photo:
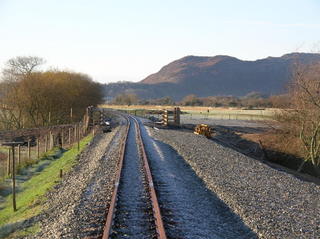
(30, 97)
(251, 100)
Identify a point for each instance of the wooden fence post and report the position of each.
(69, 137)
(13, 182)
(46, 143)
(75, 133)
(38, 148)
(50, 140)
(53, 141)
(9, 162)
(19, 155)
(62, 139)
(78, 137)
(29, 150)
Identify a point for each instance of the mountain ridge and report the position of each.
(217, 75)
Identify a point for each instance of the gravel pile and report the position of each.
(77, 206)
(272, 203)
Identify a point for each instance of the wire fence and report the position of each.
(34, 147)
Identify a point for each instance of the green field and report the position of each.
(202, 112)
(231, 114)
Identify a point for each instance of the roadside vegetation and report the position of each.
(301, 123)
(30, 97)
(31, 193)
(38, 100)
(294, 141)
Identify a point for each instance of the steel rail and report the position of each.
(154, 201)
(161, 234)
(113, 203)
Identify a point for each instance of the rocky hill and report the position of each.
(218, 75)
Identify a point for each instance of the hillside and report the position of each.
(218, 75)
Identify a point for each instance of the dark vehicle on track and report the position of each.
(106, 126)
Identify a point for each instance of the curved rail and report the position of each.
(113, 203)
(154, 201)
(155, 205)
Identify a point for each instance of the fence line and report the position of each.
(35, 147)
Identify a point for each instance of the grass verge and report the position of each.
(31, 196)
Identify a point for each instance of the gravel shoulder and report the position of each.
(271, 202)
(84, 192)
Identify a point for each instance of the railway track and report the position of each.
(134, 210)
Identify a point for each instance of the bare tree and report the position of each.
(34, 98)
(22, 66)
(304, 118)
(17, 69)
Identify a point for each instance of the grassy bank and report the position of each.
(31, 193)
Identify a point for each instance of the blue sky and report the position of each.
(114, 40)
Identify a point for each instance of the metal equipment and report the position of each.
(203, 129)
(171, 117)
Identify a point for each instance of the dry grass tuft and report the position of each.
(274, 141)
